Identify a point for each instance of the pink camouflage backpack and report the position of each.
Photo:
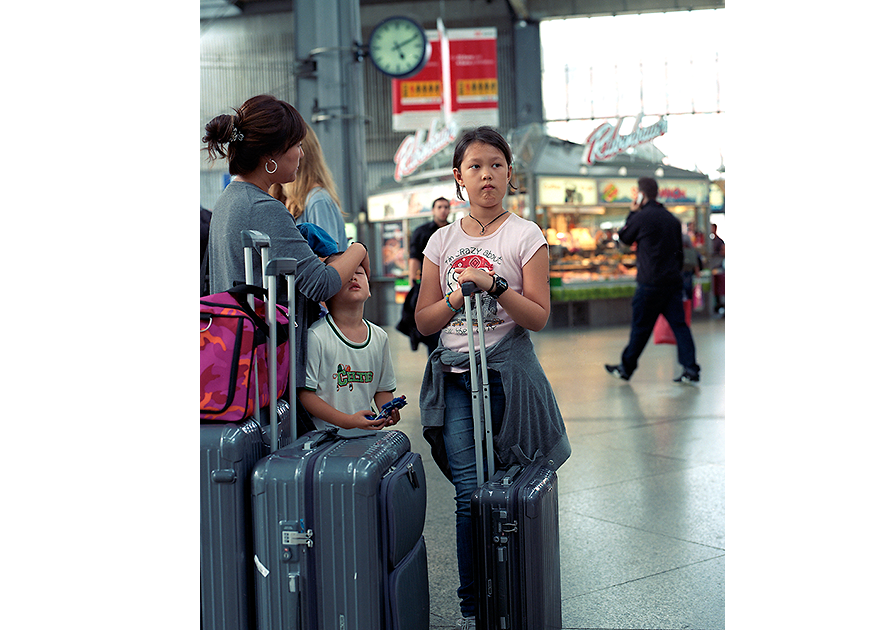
(234, 340)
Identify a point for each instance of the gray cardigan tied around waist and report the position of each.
(532, 427)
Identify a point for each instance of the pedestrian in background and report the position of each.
(658, 237)
(422, 234)
(716, 262)
(205, 228)
(417, 242)
(692, 265)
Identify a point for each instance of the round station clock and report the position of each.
(399, 47)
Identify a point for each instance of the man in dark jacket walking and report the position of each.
(417, 243)
(657, 234)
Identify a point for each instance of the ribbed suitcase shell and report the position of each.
(229, 451)
(338, 535)
(515, 522)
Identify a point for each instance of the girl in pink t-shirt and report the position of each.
(479, 247)
(499, 254)
(506, 257)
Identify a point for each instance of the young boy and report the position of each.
(349, 363)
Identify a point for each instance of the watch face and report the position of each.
(399, 47)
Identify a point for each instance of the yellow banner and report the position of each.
(417, 90)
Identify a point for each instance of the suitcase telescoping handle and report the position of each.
(483, 440)
(280, 267)
(251, 239)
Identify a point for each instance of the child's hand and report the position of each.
(393, 418)
(365, 419)
(483, 278)
(389, 411)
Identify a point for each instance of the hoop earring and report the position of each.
(274, 169)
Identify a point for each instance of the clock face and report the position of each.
(399, 47)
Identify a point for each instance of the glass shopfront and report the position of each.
(581, 217)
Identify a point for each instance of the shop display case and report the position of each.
(585, 248)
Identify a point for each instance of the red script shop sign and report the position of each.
(606, 142)
(415, 149)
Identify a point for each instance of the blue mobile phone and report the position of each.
(396, 403)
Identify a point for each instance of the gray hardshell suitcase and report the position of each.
(228, 453)
(338, 530)
(514, 519)
(338, 534)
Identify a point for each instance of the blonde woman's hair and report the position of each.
(313, 171)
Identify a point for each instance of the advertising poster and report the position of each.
(674, 192)
(395, 258)
(567, 191)
(414, 201)
(417, 101)
(618, 190)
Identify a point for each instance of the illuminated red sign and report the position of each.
(474, 78)
(606, 141)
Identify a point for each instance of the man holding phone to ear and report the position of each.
(657, 235)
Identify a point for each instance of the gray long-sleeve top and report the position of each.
(243, 206)
(322, 211)
(532, 421)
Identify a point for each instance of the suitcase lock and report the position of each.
(291, 538)
(297, 538)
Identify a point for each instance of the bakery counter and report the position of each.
(602, 303)
(590, 303)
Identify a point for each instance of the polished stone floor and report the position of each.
(642, 498)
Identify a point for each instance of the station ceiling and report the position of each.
(459, 12)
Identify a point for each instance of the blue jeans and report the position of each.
(458, 436)
(647, 303)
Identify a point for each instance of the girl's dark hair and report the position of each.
(485, 135)
(263, 126)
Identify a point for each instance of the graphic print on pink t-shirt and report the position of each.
(490, 306)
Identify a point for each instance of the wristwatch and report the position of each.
(499, 286)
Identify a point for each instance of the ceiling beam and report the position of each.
(520, 9)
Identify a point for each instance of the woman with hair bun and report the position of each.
(262, 141)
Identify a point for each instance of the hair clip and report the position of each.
(236, 135)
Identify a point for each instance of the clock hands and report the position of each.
(398, 46)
